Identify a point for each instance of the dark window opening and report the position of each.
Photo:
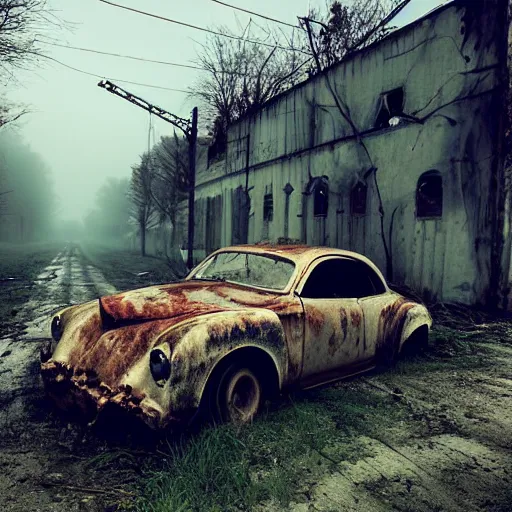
(268, 208)
(429, 195)
(358, 199)
(342, 278)
(321, 200)
(219, 141)
(392, 105)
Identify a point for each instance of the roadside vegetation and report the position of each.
(127, 269)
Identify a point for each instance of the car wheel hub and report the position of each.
(243, 394)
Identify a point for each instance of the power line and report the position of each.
(167, 63)
(211, 70)
(256, 14)
(119, 55)
(114, 79)
(195, 27)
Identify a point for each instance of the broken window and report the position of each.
(321, 199)
(358, 199)
(391, 105)
(268, 208)
(429, 195)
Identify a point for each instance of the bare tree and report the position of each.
(240, 76)
(27, 201)
(347, 27)
(9, 113)
(108, 221)
(144, 209)
(170, 185)
(24, 24)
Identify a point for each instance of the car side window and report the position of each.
(342, 278)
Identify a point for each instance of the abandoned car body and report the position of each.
(247, 322)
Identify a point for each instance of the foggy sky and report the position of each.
(86, 134)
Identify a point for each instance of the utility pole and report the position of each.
(192, 184)
(189, 129)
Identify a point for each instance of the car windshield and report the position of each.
(248, 269)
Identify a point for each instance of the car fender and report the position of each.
(397, 321)
(200, 345)
(416, 317)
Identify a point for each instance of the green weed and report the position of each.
(226, 469)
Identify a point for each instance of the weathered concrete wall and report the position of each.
(448, 65)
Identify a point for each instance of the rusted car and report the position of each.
(245, 324)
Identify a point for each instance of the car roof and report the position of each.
(295, 252)
(302, 255)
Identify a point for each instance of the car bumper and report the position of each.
(74, 389)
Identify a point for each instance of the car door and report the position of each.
(334, 324)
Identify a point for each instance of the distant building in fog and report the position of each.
(420, 188)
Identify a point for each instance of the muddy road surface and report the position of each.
(433, 434)
(43, 459)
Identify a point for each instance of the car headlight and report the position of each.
(160, 366)
(57, 328)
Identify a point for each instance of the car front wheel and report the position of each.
(236, 395)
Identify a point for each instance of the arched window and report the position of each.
(319, 188)
(429, 195)
(321, 199)
(358, 199)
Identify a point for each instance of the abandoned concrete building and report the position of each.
(397, 152)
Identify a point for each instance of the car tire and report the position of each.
(235, 395)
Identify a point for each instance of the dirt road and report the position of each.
(39, 454)
(448, 448)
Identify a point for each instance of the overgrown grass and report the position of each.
(292, 444)
(23, 262)
(120, 267)
(225, 468)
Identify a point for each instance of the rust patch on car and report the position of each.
(391, 322)
(158, 303)
(334, 344)
(233, 329)
(84, 390)
(315, 319)
(355, 318)
(343, 322)
(112, 353)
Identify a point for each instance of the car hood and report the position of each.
(184, 299)
(111, 338)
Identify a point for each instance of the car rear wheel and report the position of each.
(236, 395)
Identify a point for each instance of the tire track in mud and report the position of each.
(66, 280)
(24, 452)
(467, 468)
